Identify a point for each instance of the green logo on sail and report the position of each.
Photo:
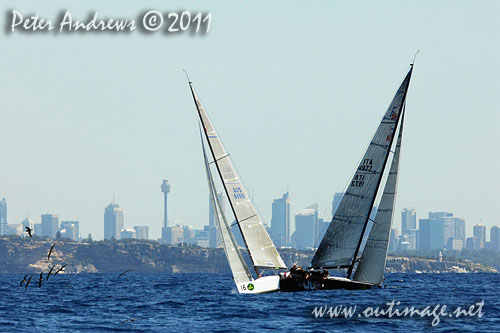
(250, 286)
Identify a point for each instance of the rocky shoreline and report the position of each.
(20, 256)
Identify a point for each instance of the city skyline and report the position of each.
(78, 127)
(440, 230)
(312, 227)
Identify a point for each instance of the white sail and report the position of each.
(260, 246)
(372, 263)
(239, 268)
(342, 239)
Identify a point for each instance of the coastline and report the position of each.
(18, 255)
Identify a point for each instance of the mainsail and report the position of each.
(235, 259)
(372, 262)
(260, 246)
(340, 245)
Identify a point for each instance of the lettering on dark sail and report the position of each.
(394, 113)
(358, 181)
(366, 165)
(390, 135)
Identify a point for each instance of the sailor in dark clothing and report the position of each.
(301, 274)
(325, 274)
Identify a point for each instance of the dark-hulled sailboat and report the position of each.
(340, 247)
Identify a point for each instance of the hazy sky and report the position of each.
(295, 91)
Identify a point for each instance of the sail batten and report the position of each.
(342, 240)
(372, 262)
(261, 249)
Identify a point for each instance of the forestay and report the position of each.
(235, 259)
(342, 239)
(372, 263)
(259, 244)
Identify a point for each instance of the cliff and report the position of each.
(24, 256)
(416, 265)
(30, 256)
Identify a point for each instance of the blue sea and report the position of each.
(203, 302)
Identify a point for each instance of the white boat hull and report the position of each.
(261, 285)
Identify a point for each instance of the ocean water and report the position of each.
(202, 302)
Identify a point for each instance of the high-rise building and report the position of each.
(165, 189)
(202, 237)
(479, 231)
(403, 243)
(321, 228)
(14, 229)
(305, 228)
(113, 221)
(393, 240)
(495, 238)
(412, 238)
(448, 228)
(128, 233)
(455, 244)
(453, 227)
(459, 229)
(337, 198)
(50, 225)
(438, 215)
(142, 232)
(3, 216)
(431, 234)
(474, 243)
(188, 234)
(215, 238)
(408, 220)
(211, 210)
(70, 229)
(174, 235)
(38, 229)
(280, 221)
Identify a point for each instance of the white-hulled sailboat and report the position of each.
(261, 249)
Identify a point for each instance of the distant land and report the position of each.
(23, 256)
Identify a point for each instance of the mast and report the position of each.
(354, 259)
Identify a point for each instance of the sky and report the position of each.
(295, 91)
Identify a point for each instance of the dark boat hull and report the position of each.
(293, 284)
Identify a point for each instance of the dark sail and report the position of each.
(342, 240)
(372, 262)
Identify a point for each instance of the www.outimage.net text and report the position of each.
(394, 310)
